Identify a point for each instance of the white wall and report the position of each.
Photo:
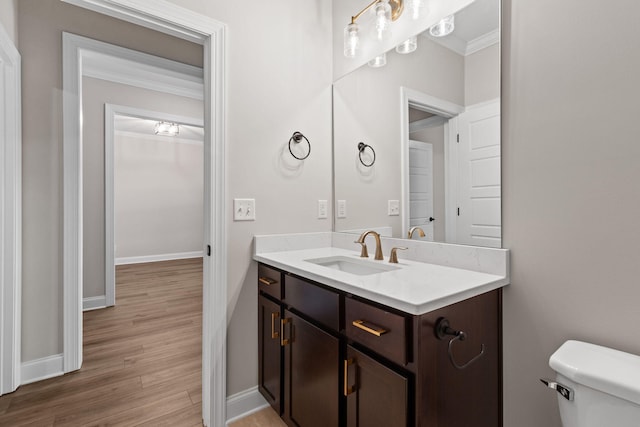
(9, 18)
(97, 93)
(367, 108)
(158, 195)
(571, 198)
(279, 81)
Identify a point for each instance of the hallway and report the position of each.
(142, 358)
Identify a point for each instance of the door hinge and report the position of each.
(458, 211)
(458, 137)
(208, 250)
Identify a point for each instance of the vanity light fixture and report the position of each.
(167, 128)
(415, 8)
(378, 61)
(385, 11)
(408, 45)
(444, 27)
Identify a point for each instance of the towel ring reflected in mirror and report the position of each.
(361, 148)
(297, 137)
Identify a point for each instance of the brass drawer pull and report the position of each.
(274, 334)
(369, 327)
(347, 390)
(267, 281)
(284, 341)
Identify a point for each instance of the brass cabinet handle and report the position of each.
(369, 327)
(266, 281)
(274, 334)
(347, 390)
(284, 341)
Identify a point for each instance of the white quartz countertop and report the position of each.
(415, 288)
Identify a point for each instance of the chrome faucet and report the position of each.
(364, 253)
(414, 229)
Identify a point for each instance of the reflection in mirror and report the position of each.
(433, 118)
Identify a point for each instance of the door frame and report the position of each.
(410, 97)
(168, 18)
(10, 214)
(110, 111)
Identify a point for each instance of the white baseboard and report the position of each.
(94, 303)
(156, 258)
(244, 403)
(42, 369)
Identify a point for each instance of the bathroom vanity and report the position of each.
(361, 348)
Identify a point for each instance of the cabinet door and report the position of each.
(270, 352)
(376, 395)
(311, 374)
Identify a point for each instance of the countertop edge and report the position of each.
(413, 309)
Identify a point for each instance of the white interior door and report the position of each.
(421, 187)
(479, 217)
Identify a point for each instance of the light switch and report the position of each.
(322, 209)
(342, 208)
(244, 209)
(394, 207)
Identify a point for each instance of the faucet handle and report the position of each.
(364, 253)
(393, 257)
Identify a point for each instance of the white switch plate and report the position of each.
(244, 209)
(342, 208)
(322, 209)
(394, 207)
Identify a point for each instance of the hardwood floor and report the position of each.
(142, 358)
(264, 418)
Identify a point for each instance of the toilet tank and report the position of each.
(606, 385)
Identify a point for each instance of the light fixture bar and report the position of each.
(397, 6)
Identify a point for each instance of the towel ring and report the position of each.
(443, 329)
(297, 137)
(361, 147)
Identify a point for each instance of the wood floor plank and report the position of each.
(142, 358)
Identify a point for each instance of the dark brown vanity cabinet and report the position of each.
(376, 395)
(311, 377)
(270, 352)
(331, 359)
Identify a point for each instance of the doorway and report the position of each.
(173, 20)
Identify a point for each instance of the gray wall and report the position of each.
(9, 18)
(571, 193)
(40, 25)
(97, 93)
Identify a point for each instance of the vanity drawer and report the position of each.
(381, 331)
(318, 303)
(270, 281)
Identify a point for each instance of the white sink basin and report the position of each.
(353, 265)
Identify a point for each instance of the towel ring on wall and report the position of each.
(297, 137)
(361, 147)
(443, 329)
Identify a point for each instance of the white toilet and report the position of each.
(597, 386)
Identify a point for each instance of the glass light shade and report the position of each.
(416, 8)
(378, 61)
(408, 45)
(444, 27)
(351, 40)
(166, 129)
(382, 12)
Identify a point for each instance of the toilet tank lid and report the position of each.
(610, 371)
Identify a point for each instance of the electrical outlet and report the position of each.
(322, 209)
(394, 207)
(342, 208)
(244, 209)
